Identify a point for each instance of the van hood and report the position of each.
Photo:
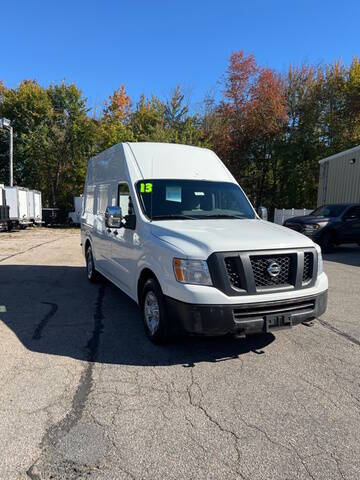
(200, 238)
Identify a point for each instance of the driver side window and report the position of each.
(124, 200)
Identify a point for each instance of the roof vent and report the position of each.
(352, 161)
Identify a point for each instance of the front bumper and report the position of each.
(243, 319)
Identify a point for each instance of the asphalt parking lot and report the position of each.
(83, 393)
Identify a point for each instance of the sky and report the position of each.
(152, 46)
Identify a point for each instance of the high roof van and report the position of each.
(171, 227)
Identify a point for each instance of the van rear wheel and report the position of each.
(92, 274)
(154, 313)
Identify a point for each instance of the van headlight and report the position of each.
(192, 271)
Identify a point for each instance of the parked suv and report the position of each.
(330, 225)
(170, 226)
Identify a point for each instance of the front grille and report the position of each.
(260, 310)
(249, 273)
(233, 272)
(308, 267)
(262, 277)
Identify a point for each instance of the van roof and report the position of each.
(170, 160)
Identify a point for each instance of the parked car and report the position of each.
(330, 225)
(170, 226)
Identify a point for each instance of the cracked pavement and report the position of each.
(84, 394)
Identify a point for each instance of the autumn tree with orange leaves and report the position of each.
(250, 116)
(114, 125)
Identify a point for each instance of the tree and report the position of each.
(114, 126)
(54, 137)
(250, 116)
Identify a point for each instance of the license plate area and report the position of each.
(278, 321)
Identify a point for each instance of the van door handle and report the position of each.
(116, 232)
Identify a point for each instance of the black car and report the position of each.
(330, 225)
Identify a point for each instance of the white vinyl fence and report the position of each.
(282, 214)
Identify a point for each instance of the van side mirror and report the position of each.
(113, 217)
(263, 213)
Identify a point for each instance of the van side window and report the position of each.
(124, 200)
(103, 198)
(89, 202)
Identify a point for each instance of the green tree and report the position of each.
(53, 139)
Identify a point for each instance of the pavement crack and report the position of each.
(302, 461)
(60, 429)
(351, 339)
(278, 444)
(211, 419)
(39, 329)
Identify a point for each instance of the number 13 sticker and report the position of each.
(146, 187)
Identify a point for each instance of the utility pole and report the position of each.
(11, 159)
(5, 123)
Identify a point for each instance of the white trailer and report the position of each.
(35, 211)
(17, 199)
(37, 207)
(2, 195)
(4, 210)
(74, 217)
(30, 195)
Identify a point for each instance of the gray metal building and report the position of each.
(339, 180)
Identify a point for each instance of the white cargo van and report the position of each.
(170, 226)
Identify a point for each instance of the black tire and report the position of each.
(157, 330)
(327, 242)
(92, 275)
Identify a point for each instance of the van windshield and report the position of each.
(192, 199)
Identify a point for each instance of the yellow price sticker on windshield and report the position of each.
(146, 187)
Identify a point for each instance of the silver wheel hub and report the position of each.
(152, 314)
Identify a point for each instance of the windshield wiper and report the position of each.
(172, 217)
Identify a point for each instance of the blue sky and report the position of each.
(153, 45)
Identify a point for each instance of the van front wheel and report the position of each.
(154, 313)
(92, 274)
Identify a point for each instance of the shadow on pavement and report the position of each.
(55, 310)
(345, 254)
